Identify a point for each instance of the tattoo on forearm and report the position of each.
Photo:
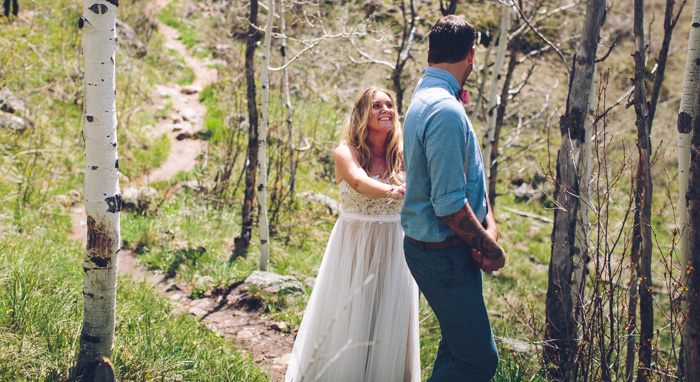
(472, 232)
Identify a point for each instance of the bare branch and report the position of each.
(549, 14)
(535, 31)
(617, 39)
(625, 96)
(310, 45)
(529, 215)
(369, 58)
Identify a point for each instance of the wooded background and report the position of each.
(591, 139)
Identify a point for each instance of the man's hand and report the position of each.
(487, 254)
(487, 265)
(497, 261)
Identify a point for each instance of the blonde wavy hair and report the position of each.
(355, 134)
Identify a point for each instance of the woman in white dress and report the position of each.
(361, 323)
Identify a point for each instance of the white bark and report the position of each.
(493, 92)
(687, 119)
(262, 142)
(685, 116)
(101, 189)
(287, 103)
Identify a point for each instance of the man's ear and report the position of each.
(471, 54)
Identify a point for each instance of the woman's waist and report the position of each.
(388, 217)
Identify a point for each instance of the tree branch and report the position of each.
(369, 58)
(535, 31)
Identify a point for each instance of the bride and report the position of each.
(361, 323)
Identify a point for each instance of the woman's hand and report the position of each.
(396, 192)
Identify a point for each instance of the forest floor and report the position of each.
(230, 312)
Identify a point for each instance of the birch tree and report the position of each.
(288, 106)
(101, 188)
(689, 198)
(643, 193)
(493, 92)
(641, 252)
(243, 241)
(510, 43)
(561, 326)
(262, 142)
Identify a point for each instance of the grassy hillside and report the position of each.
(42, 172)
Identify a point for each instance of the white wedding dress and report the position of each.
(361, 323)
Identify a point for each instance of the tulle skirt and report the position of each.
(361, 323)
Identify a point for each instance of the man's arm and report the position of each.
(489, 255)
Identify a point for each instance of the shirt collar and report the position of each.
(452, 84)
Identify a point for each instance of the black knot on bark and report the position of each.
(114, 203)
(81, 22)
(100, 9)
(100, 261)
(91, 339)
(571, 125)
(114, 2)
(685, 123)
(90, 118)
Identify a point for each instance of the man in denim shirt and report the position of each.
(450, 229)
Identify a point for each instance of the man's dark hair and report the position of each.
(451, 38)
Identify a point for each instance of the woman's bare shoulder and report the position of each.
(345, 151)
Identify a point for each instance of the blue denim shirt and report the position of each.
(444, 166)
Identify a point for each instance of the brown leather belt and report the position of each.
(451, 241)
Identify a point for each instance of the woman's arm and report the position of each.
(348, 168)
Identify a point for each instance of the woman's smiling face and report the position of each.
(381, 118)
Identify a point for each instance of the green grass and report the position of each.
(41, 310)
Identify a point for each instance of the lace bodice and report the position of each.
(354, 202)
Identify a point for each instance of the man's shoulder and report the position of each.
(433, 95)
(429, 101)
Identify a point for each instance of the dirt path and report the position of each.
(187, 113)
(230, 311)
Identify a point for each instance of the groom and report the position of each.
(450, 229)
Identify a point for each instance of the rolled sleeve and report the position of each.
(446, 151)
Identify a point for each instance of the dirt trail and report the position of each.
(231, 311)
(187, 112)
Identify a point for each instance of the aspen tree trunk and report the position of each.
(500, 116)
(582, 258)
(262, 142)
(643, 193)
(478, 103)
(243, 241)
(288, 107)
(493, 91)
(102, 195)
(450, 9)
(409, 32)
(561, 326)
(632, 302)
(636, 252)
(692, 324)
(689, 199)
